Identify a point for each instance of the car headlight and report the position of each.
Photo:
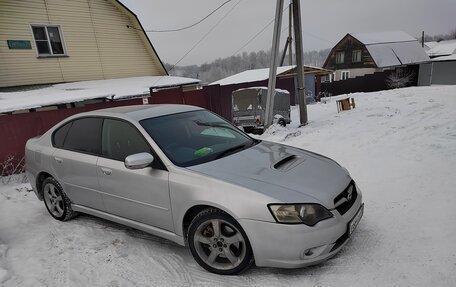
(309, 214)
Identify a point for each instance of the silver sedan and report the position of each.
(187, 175)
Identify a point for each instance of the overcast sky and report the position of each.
(325, 22)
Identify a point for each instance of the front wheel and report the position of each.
(218, 243)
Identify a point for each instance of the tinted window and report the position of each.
(85, 136)
(60, 134)
(121, 139)
(196, 137)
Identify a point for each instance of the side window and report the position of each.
(120, 140)
(60, 135)
(85, 136)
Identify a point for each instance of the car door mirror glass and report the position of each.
(138, 160)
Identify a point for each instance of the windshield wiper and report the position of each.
(214, 125)
(230, 150)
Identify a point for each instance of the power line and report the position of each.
(257, 34)
(317, 37)
(186, 27)
(202, 38)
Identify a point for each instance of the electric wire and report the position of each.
(257, 34)
(186, 27)
(200, 40)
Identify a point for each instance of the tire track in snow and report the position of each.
(4, 274)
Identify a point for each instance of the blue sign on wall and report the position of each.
(19, 44)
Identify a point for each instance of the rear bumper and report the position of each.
(293, 246)
(31, 177)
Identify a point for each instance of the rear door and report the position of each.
(141, 195)
(74, 161)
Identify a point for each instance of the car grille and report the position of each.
(343, 207)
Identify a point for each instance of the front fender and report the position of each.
(188, 189)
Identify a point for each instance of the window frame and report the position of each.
(157, 164)
(62, 38)
(130, 125)
(66, 136)
(342, 73)
(353, 56)
(342, 59)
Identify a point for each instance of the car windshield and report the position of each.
(196, 137)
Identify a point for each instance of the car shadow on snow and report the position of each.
(354, 251)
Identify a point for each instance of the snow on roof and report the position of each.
(442, 48)
(383, 37)
(397, 54)
(250, 76)
(392, 48)
(263, 88)
(86, 90)
(444, 58)
(429, 45)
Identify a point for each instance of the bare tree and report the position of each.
(399, 78)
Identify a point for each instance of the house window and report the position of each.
(340, 57)
(48, 40)
(356, 56)
(344, 75)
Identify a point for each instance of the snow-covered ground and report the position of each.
(399, 145)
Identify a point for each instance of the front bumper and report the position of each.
(299, 245)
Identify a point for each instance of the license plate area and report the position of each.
(356, 219)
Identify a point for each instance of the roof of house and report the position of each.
(87, 90)
(451, 57)
(250, 76)
(442, 48)
(392, 48)
(263, 74)
(383, 37)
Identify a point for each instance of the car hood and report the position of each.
(285, 173)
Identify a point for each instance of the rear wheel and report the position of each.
(282, 122)
(218, 243)
(56, 201)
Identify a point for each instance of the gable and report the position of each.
(348, 44)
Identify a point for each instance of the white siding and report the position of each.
(98, 43)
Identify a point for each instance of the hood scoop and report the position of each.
(287, 163)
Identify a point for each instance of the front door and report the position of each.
(141, 195)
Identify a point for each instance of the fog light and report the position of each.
(308, 252)
(313, 252)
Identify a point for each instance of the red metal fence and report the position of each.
(16, 129)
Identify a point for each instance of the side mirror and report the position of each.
(138, 160)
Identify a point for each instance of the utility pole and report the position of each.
(290, 38)
(299, 62)
(273, 65)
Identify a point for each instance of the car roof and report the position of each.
(140, 112)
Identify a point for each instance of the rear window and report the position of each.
(60, 135)
(85, 136)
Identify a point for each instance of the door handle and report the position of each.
(58, 160)
(106, 171)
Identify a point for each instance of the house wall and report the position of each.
(349, 44)
(424, 74)
(98, 43)
(443, 73)
(356, 72)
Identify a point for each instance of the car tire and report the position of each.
(56, 201)
(282, 122)
(226, 251)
